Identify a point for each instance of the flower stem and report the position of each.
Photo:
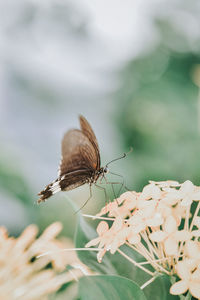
(99, 218)
(67, 249)
(194, 216)
(148, 282)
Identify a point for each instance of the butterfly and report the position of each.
(80, 162)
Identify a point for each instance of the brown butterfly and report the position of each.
(80, 162)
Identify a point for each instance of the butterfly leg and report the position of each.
(113, 190)
(90, 187)
(106, 197)
(112, 186)
(121, 186)
(121, 183)
(103, 189)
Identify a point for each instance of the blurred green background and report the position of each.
(132, 69)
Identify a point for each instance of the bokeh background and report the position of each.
(132, 68)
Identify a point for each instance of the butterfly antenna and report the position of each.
(123, 156)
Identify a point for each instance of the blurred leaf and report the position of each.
(105, 287)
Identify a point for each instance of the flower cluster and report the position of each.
(162, 224)
(24, 276)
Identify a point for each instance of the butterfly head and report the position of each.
(105, 170)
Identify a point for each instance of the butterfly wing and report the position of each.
(78, 153)
(80, 159)
(87, 130)
(65, 183)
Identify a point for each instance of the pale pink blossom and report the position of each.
(170, 236)
(110, 239)
(115, 208)
(192, 251)
(159, 224)
(150, 191)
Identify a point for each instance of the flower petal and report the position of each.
(194, 288)
(192, 248)
(187, 187)
(163, 209)
(117, 224)
(187, 201)
(170, 224)
(179, 287)
(158, 236)
(171, 246)
(196, 275)
(100, 255)
(139, 227)
(148, 208)
(196, 233)
(102, 227)
(114, 246)
(183, 270)
(93, 242)
(134, 238)
(109, 207)
(191, 263)
(130, 196)
(136, 223)
(150, 191)
(182, 235)
(156, 193)
(167, 183)
(196, 195)
(157, 220)
(172, 197)
(197, 222)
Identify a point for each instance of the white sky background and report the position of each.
(122, 25)
(114, 22)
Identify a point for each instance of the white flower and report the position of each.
(110, 239)
(159, 224)
(170, 236)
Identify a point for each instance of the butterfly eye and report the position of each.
(105, 170)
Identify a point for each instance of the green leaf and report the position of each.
(159, 289)
(126, 269)
(105, 287)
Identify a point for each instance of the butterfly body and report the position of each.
(80, 161)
